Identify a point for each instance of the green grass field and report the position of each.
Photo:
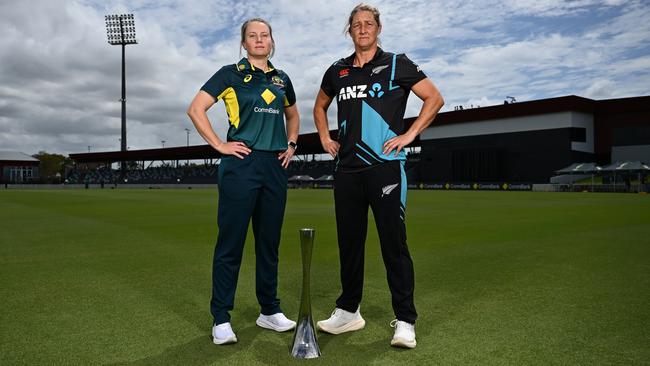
(122, 277)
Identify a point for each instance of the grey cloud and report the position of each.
(60, 79)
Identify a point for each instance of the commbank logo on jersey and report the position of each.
(266, 110)
(351, 92)
(268, 96)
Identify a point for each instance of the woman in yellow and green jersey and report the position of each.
(252, 173)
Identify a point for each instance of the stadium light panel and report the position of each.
(120, 29)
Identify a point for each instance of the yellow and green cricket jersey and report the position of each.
(255, 102)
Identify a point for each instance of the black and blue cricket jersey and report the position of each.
(371, 102)
(255, 102)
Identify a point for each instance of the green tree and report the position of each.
(50, 166)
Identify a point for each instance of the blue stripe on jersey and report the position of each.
(404, 185)
(361, 157)
(375, 131)
(369, 153)
(392, 75)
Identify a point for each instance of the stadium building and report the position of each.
(529, 141)
(16, 167)
(524, 142)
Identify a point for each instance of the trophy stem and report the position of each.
(305, 343)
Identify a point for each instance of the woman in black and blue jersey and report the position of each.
(252, 173)
(371, 88)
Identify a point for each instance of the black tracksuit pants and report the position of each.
(382, 188)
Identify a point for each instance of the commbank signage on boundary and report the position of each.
(504, 186)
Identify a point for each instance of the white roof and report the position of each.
(15, 156)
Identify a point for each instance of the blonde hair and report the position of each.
(243, 34)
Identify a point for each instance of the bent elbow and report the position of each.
(191, 111)
(439, 100)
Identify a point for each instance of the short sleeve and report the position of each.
(327, 85)
(217, 84)
(407, 73)
(289, 93)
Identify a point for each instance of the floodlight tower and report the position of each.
(120, 29)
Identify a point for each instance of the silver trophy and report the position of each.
(305, 344)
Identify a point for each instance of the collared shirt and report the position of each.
(255, 102)
(371, 102)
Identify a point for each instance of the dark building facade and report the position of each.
(528, 142)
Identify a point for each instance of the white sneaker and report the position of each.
(223, 334)
(342, 321)
(277, 322)
(404, 334)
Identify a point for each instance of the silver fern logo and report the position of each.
(377, 70)
(387, 189)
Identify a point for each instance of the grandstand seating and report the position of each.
(152, 175)
(205, 174)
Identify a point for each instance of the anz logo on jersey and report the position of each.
(359, 91)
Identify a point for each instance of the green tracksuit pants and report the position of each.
(251, 188)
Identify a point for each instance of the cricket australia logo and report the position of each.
(388, 189)
(277, 81)
(377, 70)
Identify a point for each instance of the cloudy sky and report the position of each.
(60, 79)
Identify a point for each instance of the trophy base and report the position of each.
(304, 341)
